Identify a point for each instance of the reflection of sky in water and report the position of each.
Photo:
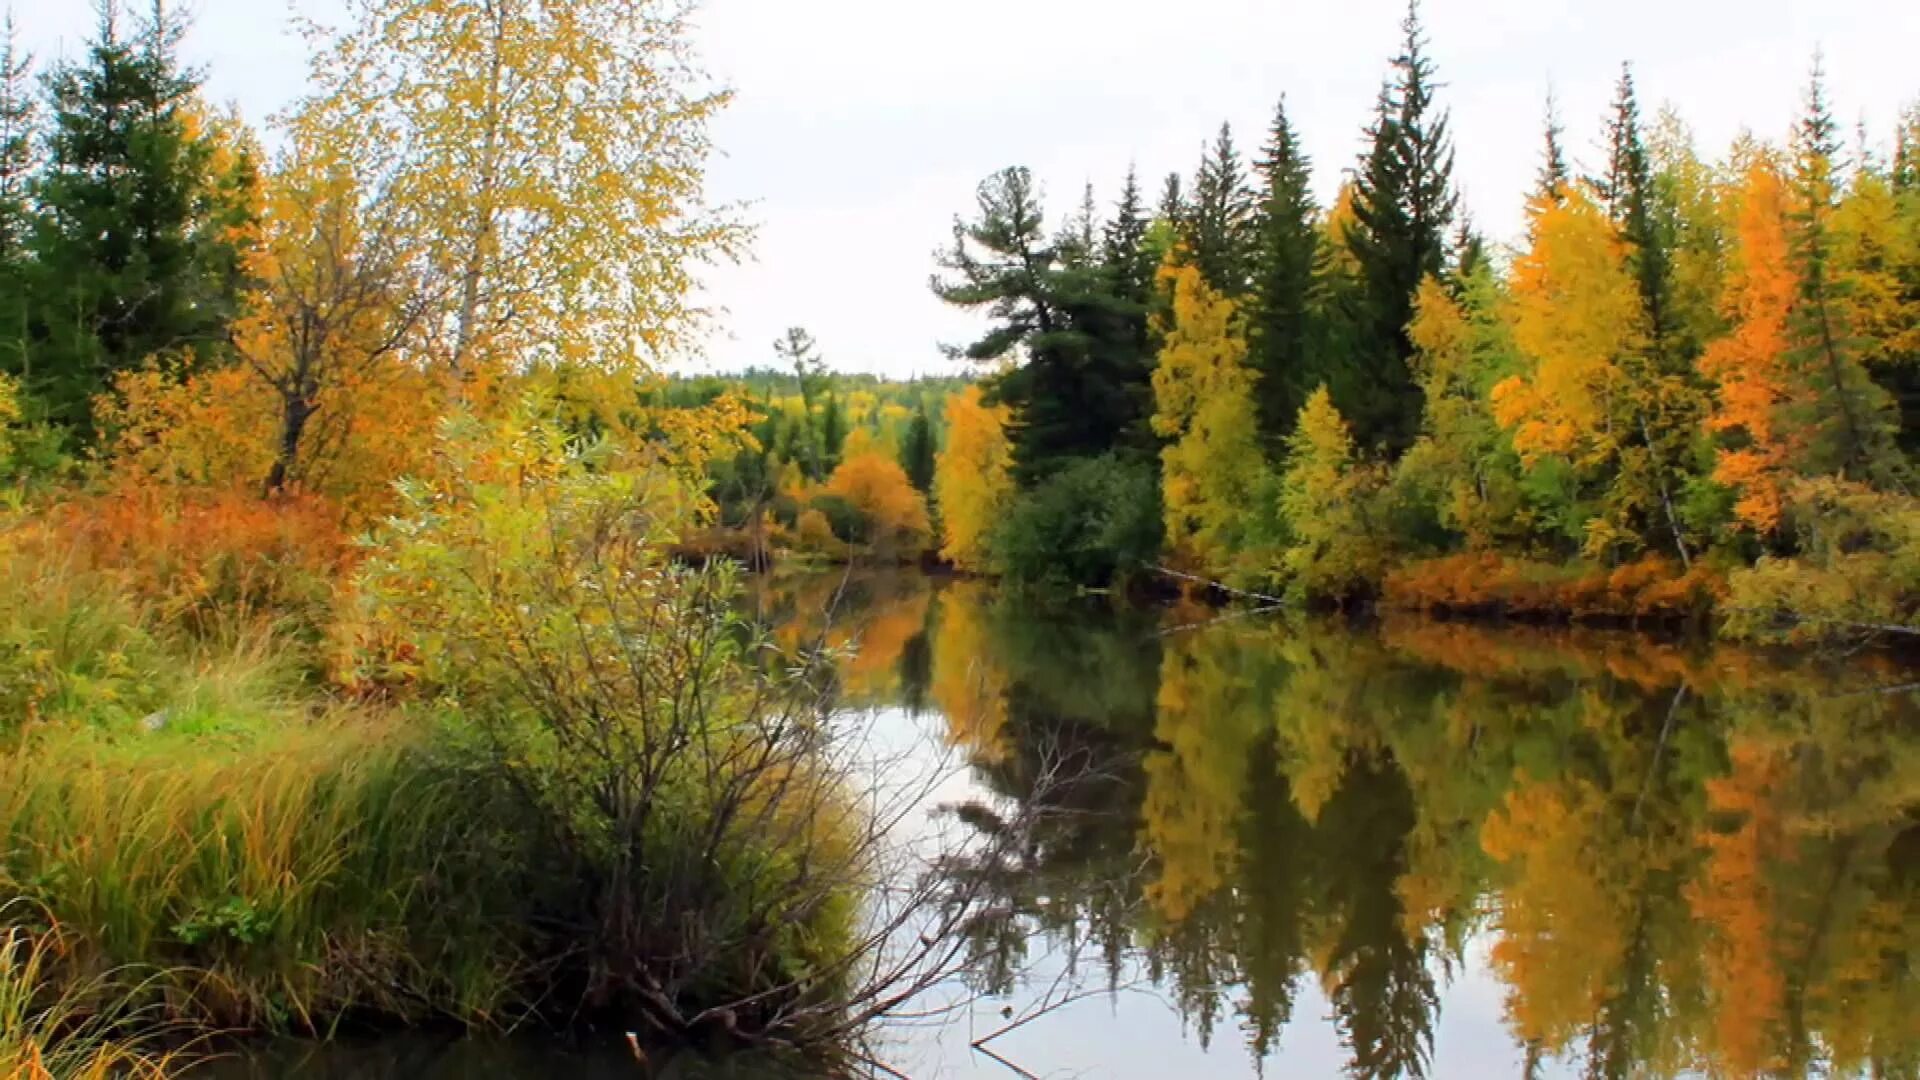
(1138, 1032)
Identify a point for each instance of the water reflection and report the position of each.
(1671, 859)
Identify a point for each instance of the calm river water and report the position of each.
(1306, 848)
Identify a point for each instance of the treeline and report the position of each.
(1690, 383)
(827, 462)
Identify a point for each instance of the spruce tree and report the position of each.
(1848, 423)
(17, 157)
(1174, 208)
(133, 245)
(1626, 190)
(1404, 203)
(1220, 230)
(1124, 244)
(1551, 182)
(1285, 253)
(917, 451)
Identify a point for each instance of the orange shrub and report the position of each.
(1650, 587)
(199, 555)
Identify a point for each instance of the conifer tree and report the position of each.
(136, 246)
(1403, 205)
(1846, 419)
(1081, 389)
(1124, 245)
(1220, 231)
(1551, 181)
(917, 451)
(1174, 207)
(1286, 250)
(18, 132)
(1626, 192)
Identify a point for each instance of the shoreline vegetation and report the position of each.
(364, 659)
(1690, 391)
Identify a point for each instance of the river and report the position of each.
(1274, 846)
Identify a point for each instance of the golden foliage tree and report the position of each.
(1212, 471)
(549, 157)
(1324, 494)
(972, 478)
(874, 484)
(1576, 316)
(333, 314)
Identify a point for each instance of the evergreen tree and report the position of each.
(1124, 245)
(1905, 171)
(1081, 389)
(917, 452)
(1220, 230)
(1285, 254)
(1403, 204)
(134, 247)
(1626, 192)
(17, 158)
(1174, 209)
(1847, 419)
(833, 434)
(1551, 182)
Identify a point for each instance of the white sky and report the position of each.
(862, 126)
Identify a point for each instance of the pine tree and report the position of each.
(1286, 251)
(1404, 203)
(917, 451)
(1220, 230)
(136, 248)
(1082, 389)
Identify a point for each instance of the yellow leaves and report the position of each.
(968, 684)
(9, 416)
(1322, 495)
(1576, 313)
(1563, 927)
(972, 478)
(1203, 400)
(876, 486)
(550, 158)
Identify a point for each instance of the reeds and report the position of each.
(53, 1027)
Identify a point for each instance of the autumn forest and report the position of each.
(401, 631)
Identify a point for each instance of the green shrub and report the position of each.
(849, 525)
(695, 845)
(1092, 523)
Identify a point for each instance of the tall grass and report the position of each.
(58, 1028)
(278, 881)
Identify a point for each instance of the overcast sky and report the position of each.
(862, 126)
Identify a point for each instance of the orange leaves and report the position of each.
(205, 555)
(1736, 901)
(1749, 366)
(1650, 588)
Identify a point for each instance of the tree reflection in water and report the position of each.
(1681, 858)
